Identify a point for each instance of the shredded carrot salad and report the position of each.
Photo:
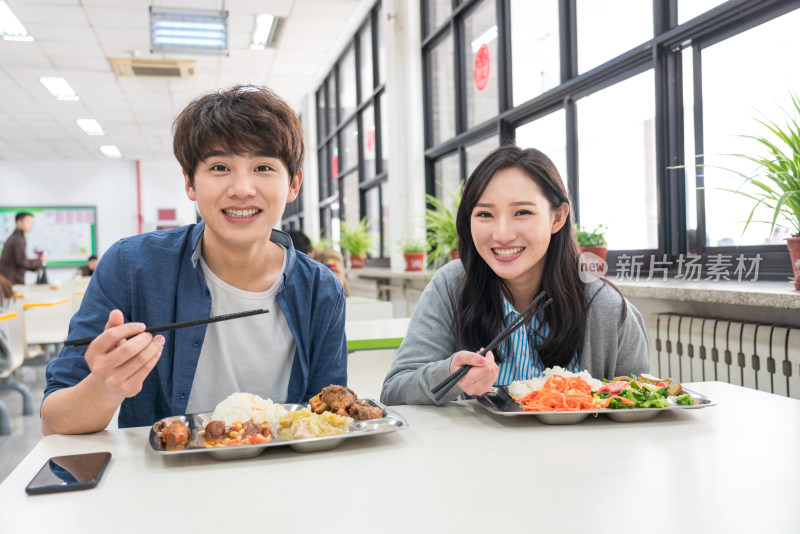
(559, 394)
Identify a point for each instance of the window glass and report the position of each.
(481, 63)
(324, 169)
(447, 179)
(384, 137)
(438, 12)
(616, 163)
(381, 47)
(478, 151)
(608, 28)
(350, 198)
(744, 79)
(348, 154)
(535, 65)
(321, 114)
(347, 84)
(688, 150)
(365, 69)
(332, 122)
(368, 142)
(372, 199)
(689, 9)
(549, 135)
(443, 108)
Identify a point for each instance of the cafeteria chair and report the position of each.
(12, 321)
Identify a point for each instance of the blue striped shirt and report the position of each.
(523, 362)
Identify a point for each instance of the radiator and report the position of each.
(754, 355)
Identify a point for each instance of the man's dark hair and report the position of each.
(21, 215)
(245, 119)
(92, 257)
(301, 241)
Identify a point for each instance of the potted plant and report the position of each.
(594, 241)
(440, 220)
(414, 252)
(357, 240)
(777, 180)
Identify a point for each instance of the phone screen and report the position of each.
(69, 473)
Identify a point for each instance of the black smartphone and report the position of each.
(69, 473)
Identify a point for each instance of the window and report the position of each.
(622, 105)
(534, 48)
(607, 28)
(352, 154)
(481, 63)
(616, 162)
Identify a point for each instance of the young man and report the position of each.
(241, 151)
(13, 261)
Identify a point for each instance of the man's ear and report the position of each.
(560, 217)
(189, 187)
(294, 187)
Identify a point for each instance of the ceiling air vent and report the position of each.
(152, 68)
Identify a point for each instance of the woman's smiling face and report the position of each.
(511, 226)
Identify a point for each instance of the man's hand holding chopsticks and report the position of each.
(481, 377)
(122, 356)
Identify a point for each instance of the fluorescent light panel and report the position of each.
(11, 28)
(59, 88)
(91, 126)
(110, 151)
(190, 30)
(264, 31)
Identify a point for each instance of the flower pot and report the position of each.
(595, 261)
(357, 262)
(454, 254)
(415, 261)
(793, 243)
(599, 250)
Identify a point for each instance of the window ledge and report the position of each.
(760, 293)
(386, 273)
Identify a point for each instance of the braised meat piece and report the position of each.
(215, 429)
(336, 399)
(174, 434)
(363, 411)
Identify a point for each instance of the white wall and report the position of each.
(108, 185)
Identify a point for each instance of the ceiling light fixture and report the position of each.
(91, 126)
(110, 151)
(10, 27)
(265, 31)
(188, 30)
(59, 88)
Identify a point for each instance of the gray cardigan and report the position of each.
(423, 360)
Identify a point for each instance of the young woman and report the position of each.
(515, 239)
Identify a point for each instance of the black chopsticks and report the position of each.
(447, 384)
(175, 326)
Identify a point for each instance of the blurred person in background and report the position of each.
(13, 261)
(88, 269)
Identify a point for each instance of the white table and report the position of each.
(375, 333)
(729, 468)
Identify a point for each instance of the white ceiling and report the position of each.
(74, 38)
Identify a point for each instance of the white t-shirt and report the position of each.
(249, 355)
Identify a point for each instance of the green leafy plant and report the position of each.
(356, 239)
(321, 243)
(440, 220)
(595, 238)
(777, 178)
(412, 245)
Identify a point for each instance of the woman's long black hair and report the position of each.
(480, 310)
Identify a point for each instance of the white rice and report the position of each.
(246, 406)
(520, 388)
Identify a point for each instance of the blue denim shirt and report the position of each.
(156, 279)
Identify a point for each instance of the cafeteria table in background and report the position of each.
(729, 468)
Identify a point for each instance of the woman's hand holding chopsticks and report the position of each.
(118, 364)
(481, 376)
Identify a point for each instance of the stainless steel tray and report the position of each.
(499, 402)
(390, 422)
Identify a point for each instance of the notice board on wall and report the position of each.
(68, 234)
